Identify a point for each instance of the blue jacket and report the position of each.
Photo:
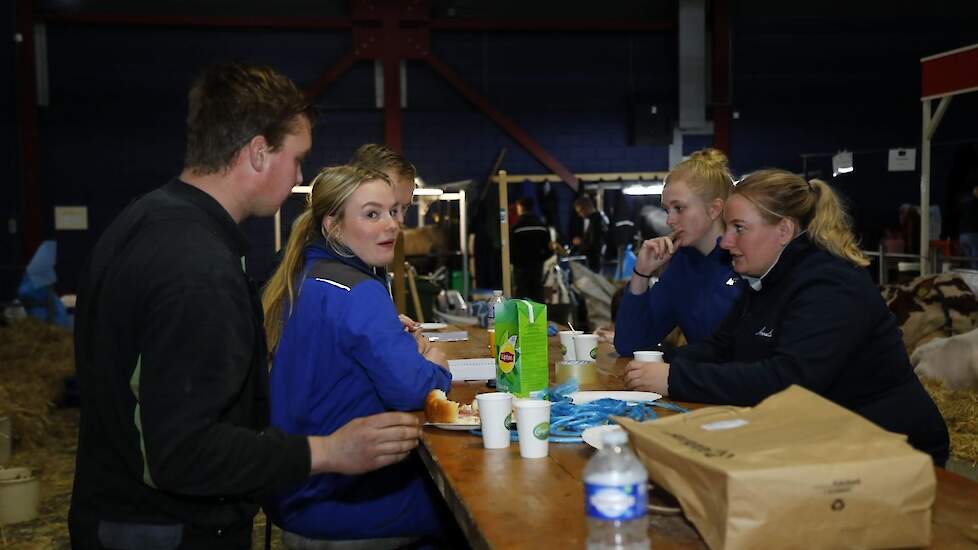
(344, 354)
(695, 292)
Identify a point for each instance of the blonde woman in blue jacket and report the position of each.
(341, 353)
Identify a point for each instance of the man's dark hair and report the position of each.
(231, 104)
(584, 202)
(382, 158)
(527, 203)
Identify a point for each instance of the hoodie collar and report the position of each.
(320, 250)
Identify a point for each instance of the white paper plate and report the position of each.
(592, 436)
(453, 427)
(628, 396)
(431, 326)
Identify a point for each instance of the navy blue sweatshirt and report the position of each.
(694, 293)
(819, 322)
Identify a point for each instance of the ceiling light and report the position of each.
(841, 163)
(652, 188)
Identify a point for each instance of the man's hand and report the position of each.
(647, 376)
(365, 444)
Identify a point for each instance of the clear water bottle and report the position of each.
(616, 497)
(497, 300)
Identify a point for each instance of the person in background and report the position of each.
(698, 286)
(395, 166)
(529, 247)
(340, 353)
(402, 174)
(812, 316)
(963, 182)
(592, 242)
(174, 446)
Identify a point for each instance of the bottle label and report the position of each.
(621, 502)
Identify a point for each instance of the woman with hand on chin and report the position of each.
(340, 354)
(698, 287)
(811, 317)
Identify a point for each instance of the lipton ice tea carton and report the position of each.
(521, 357)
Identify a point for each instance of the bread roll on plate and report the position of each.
(441, 410)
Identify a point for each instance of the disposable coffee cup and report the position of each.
(495, 413)
(567, 344)
(533, 427)
(586, 347)
(650, 356)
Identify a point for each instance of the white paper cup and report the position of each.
(650, 356)
(495, 410)
(533, 426)
(586, 347)
(567, 344)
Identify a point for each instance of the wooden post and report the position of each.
(419, 314)
(504, 232)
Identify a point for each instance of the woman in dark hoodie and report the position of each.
(811, 317)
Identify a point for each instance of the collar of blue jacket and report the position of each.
(321, 250)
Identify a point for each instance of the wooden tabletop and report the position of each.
(503, 501)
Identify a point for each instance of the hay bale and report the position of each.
(960, 410)
(35, 358)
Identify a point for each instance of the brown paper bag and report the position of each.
(796, 471)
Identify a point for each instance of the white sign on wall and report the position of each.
(71, 218)
(902, 160)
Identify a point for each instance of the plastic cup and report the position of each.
(495, 410)
(650, 356)
(586, 347)
(533, 426)
(567, 344)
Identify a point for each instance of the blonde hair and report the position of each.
(814, 205)
(706, 173)
(331, 189)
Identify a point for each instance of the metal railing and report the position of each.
(939, 262)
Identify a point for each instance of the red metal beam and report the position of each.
(489, 24)
(393, 127)
(327, 78)
(949, 73)
(721, 75)
(468, 24)
(199, 20)
(504, 122)
(27, 127)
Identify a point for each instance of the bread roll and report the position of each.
(439, 409)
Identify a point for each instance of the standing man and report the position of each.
(592, 242)
(529, 249)
(173, 445)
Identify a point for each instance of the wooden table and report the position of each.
(502, 501)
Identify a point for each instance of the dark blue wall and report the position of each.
(819, 84)
(114, 128)
(10, 205)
